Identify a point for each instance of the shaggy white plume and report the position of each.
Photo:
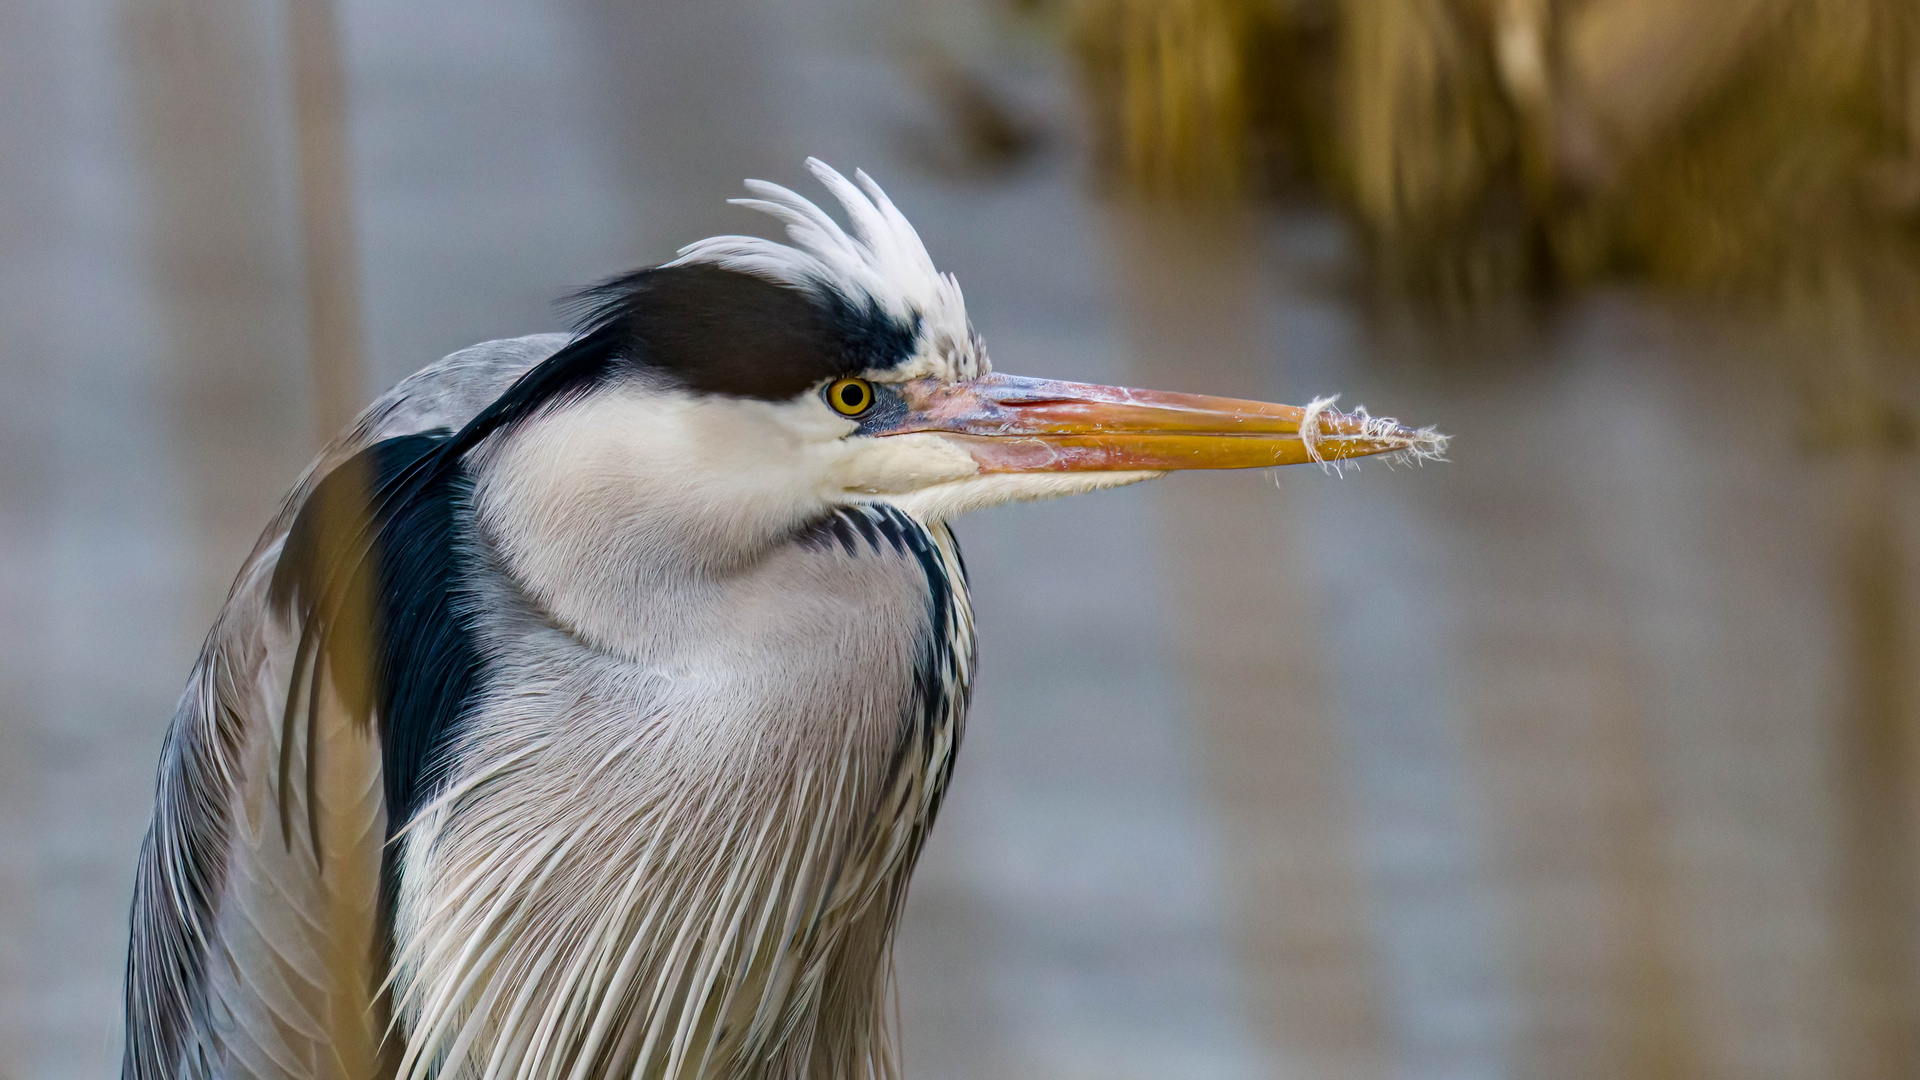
(880, 262)
(1421, 446)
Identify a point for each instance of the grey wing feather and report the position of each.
(246, 958)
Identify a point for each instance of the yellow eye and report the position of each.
(850, 397)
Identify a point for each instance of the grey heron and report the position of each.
(584, 709)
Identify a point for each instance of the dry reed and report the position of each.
(1745, 147)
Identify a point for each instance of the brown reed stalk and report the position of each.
(1172, 87)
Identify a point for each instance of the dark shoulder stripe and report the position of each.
(938, 697)
(372, 569)
(863, 521)
(858, 529)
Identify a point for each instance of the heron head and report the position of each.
(750, 385)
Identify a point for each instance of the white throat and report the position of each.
(609, 506)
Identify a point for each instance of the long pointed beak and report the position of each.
(1014, 424)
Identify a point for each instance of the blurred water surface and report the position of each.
(1589, 754)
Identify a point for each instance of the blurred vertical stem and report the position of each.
(1877, 743)
(1419, 141)
(1853, 413)
(326, 216)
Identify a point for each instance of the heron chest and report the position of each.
(854, 640)
(724, 816)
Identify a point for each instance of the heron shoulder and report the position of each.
(217, 835)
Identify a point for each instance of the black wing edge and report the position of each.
(373, 570)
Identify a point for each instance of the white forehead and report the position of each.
(880, 261)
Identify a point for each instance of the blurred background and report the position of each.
(1589, 754)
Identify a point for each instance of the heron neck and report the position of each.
(620, 514)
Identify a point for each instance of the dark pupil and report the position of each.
(851, 395)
